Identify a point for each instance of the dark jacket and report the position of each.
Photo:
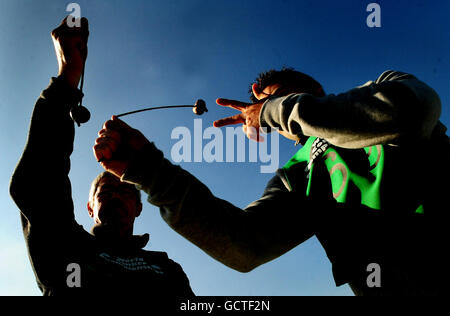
(409, 248)
(41, 188)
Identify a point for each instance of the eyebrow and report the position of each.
(108, 187)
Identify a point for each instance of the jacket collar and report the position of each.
(133, 242)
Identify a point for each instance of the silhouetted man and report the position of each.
(65, 258)
(369, 182)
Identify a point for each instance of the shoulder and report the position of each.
(161, 258)
(155, 255)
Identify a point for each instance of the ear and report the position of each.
(256, 91)
(320, 92)
(90, 210)
(138, 209)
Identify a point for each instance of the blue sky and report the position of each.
(144, 53)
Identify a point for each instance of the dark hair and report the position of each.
(106, 174)
(288, 77)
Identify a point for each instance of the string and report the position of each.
(155, 108)
(81, 85)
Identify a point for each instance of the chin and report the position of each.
(106, 228)
(289, 136)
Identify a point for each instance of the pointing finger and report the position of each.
(237, 105)
(235, 119)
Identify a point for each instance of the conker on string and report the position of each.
(200, 107)
(80, 114)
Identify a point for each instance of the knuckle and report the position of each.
(97, 147)
(107, 124)
(101, 141)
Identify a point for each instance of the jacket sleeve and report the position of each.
(395, 109)
(40, 185)
(240, 238)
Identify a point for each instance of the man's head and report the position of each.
(114, 205)
(281, 83)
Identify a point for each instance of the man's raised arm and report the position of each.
(240, 238)
(394, 109)
(40, 185)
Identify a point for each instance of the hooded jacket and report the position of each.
(397, 115)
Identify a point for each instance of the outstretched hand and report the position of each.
(249, 117)
(117, 145)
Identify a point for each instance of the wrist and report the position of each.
(62, 94)
(262, 116)
(71, 78)
(145, 163)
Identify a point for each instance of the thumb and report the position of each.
(116, 167)
(117, 124)
(254, 134)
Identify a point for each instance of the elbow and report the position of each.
(432, 114)
(243, 262)
(422, 112)
(419, 125)
(18, 194)
(18, 188)
(246, 268)
(14, 192)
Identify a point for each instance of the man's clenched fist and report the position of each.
(71, 49)
(117, 145)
